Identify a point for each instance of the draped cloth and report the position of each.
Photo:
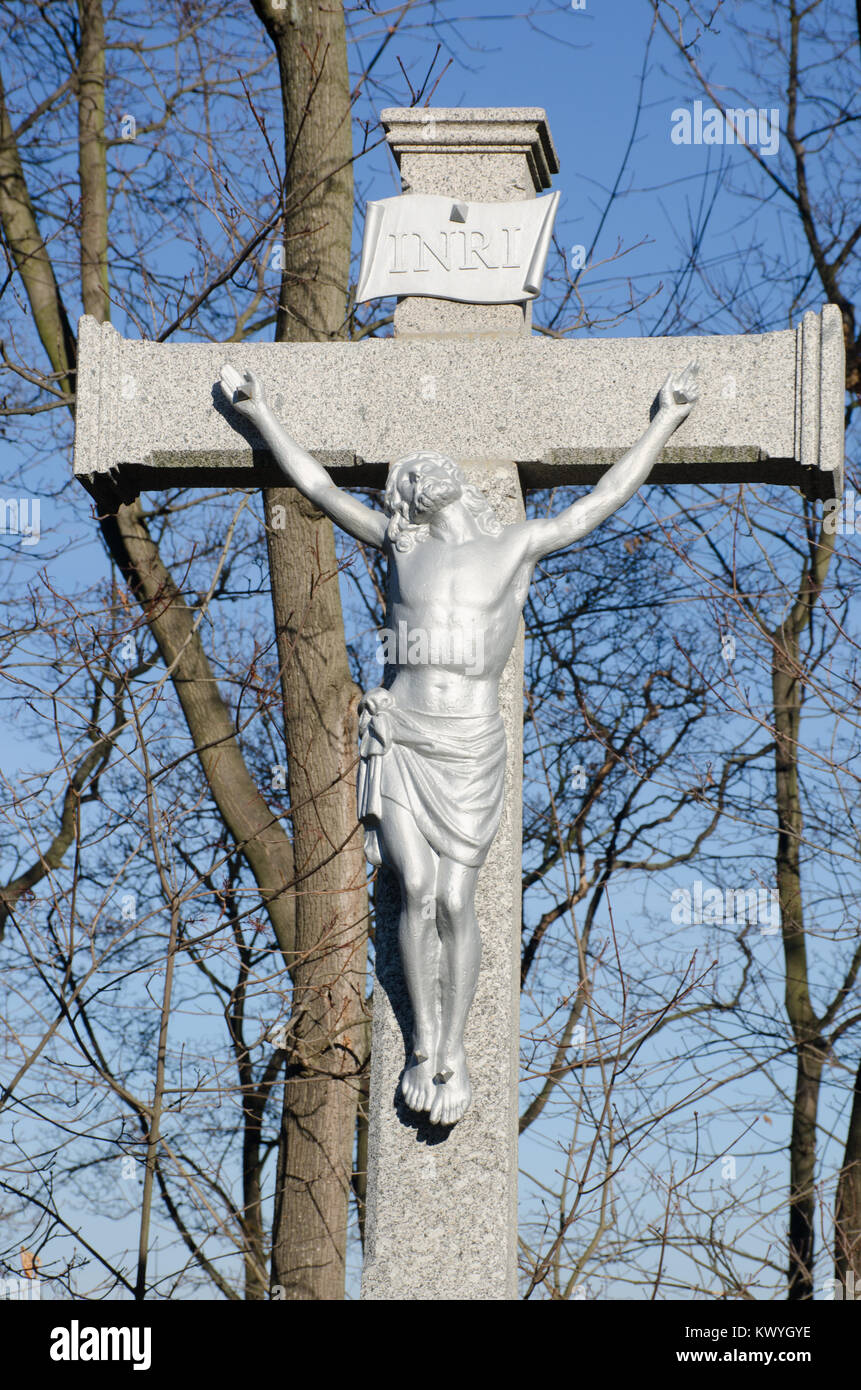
(448, 771)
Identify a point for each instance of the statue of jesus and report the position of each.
(432, 750)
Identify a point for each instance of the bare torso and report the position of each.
(453, 609)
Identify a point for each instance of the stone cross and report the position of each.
(468, 379)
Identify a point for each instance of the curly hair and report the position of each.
(402, 532)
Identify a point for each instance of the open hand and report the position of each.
(243, 390)
(679, 393)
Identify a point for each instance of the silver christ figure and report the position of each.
(432, 752)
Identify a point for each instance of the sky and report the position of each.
(609, 88)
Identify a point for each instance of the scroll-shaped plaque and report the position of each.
(479, 253)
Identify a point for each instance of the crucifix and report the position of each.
(474, 409)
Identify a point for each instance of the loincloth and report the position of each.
(448, 771)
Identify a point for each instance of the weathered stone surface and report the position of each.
(770, 404)
(473, 132)
(442, 1203)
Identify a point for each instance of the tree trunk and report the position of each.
(32, 261)
(257, 833)
(327, 1037)
(787, 687)
(847, 1219)
(92, 163)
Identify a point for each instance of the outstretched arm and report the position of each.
(300, 469)
(676, 401)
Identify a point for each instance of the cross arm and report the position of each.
(150, 415)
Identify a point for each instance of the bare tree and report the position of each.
(796, 46)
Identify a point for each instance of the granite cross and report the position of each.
(464, 377)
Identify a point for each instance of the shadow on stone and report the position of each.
(425, 1132)
(239, 423)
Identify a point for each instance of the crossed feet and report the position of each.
(438, 1085)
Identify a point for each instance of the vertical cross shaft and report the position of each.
(442, 1203)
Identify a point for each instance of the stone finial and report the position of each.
(474, 130)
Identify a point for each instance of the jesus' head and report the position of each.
(423, 484)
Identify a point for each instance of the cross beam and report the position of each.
(770, 410)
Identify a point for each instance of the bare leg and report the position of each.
(405, 850)
(460, 959)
